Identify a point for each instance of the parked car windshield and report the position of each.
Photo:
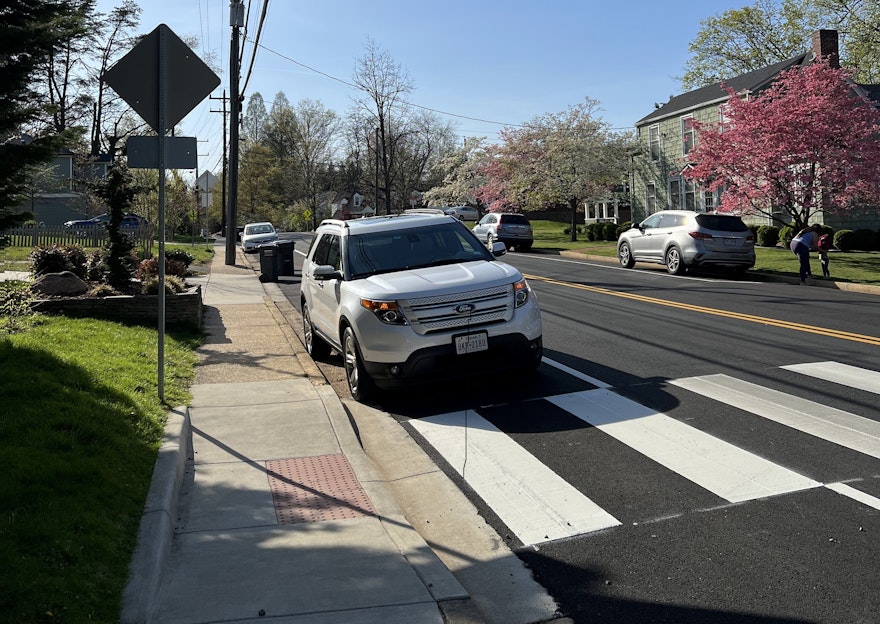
(514, 219)
(396, 250)
(721, 223)
(259, 229)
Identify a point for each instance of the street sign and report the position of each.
(135, 77)
(143, 152)
(207, 181)
(207, 200)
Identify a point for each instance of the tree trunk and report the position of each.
(573, 205)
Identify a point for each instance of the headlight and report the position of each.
(387, 311)
(521, 292)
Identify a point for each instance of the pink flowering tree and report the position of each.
(809, 143)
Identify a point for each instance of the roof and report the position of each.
(752, 81)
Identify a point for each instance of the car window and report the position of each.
(322, 249)
(722, 223)
(383, 252)
(514, 219)
(652, 221)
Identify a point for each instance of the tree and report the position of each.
(29, 32)
(461, 175)
(807, 144)
(859, 24)
(254, 120)
(314, 130)
(743, 40)
(384, 84)
(560, 158)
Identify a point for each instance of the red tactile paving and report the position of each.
(316, 489)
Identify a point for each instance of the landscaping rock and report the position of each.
(64, 284)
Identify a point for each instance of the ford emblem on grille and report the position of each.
(465, 308)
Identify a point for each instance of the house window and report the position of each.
(690, 195)
(723, 119)
(654, 142)
(650, 198)
(708, 200)
(675, 194)
(687, 134)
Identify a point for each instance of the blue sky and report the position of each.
(489, 60)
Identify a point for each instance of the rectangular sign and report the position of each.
(143, 152)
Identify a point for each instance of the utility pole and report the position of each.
(236, 20)
(223, 206)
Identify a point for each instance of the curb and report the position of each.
(156, 530)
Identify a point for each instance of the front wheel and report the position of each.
(359, 383)
(624, 254)
(674, 263)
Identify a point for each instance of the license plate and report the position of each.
(471, 343)
(730, 242)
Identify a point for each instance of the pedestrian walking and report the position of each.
(824, 245)
(807, 240)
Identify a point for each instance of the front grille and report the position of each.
(435, 314)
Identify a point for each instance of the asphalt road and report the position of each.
(678, 457)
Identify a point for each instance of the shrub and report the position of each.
(57, 258)
(609, 231)
(173, 285)
(845, 240)
(15, 310)
(623, 227)
(150, 268)
(179, 255)
(103, 290)
(767, 236)
(786, 233)
(864, 239)
(591, 231)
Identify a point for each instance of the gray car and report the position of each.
(682, 239)
(512, 229)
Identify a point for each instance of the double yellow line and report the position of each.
(822, 331)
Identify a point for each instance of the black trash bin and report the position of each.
(285, 257)
(269, 263)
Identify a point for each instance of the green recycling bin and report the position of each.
(269, 263)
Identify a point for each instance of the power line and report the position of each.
(256, 43)
(354, 86)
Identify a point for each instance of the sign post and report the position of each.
(162, 79)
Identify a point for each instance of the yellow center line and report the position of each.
(822, 331)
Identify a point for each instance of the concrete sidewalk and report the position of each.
(263, 505)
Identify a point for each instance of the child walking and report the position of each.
(824, 245)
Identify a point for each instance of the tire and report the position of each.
(738, 272)
(674, 263)
(624, 254)
(359, 383)
(490, 239)
(524, 247)
(316, 347)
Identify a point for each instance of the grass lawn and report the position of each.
(855, 266)
(80, 427)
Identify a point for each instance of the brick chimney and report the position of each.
(825, 46)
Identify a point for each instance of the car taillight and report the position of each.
(700, 235)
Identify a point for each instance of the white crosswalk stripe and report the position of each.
(538, 505)
(842, 374)
(848, 430)
(722, 468)
(533, 501)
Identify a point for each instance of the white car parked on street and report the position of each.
(415, 297)
(256, 234)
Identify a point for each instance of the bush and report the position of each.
(57, 258)
(786, 233)
(864, 239)
(15, 310)
(623, 227)
(609, 231)
(845, 240)
(173, 285)
(180, 255)
(150, 268)
(767, 236)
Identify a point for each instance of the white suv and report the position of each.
(414, 297)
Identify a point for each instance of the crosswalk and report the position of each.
(539, 505)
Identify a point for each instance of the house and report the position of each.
(667, 135)
(347, 206)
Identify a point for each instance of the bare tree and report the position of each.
(384, 84)
(314, 129)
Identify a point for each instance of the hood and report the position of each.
(437, 280)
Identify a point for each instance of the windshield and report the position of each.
(259, 229)
(384, 252)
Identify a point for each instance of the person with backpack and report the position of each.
(824, 245)
(807, 240)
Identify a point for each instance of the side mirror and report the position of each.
(326, 272)
(499, 248)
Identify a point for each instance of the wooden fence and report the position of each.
(91, 236)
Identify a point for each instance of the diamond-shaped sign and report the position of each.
(187, 80)
(207, 181)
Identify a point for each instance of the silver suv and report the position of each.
(682, 239)
(414, 297)
(512, 229)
